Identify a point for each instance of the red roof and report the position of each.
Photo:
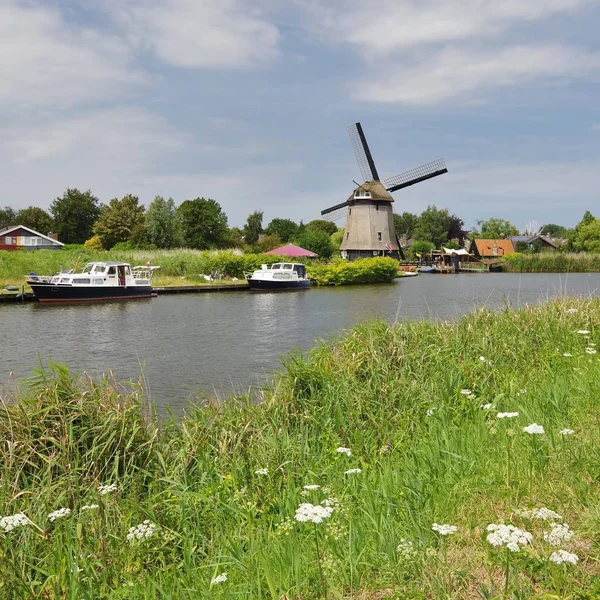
(291, 250)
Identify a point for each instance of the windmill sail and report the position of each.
(432, 169)
(335, 208)
(362, 153)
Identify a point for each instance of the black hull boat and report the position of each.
(278, 277)
(95, 283)
(273, 286)
(50, 292)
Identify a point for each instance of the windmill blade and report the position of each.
(432, 169)
(362, 153)
(334, 208)
(336, 215)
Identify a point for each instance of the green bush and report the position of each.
(552, 262)
(364, 270)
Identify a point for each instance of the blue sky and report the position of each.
(248, 101)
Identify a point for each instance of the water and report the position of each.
(219, 344)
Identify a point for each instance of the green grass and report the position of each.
(552, 262)
(428, 453)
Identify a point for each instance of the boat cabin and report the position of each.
(288, 269)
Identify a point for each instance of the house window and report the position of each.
(379, 235)
(36, 241)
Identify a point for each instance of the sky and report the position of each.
(248, 102)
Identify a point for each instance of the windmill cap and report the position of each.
(377, 189)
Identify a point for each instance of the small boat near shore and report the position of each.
(97, 281)
(279, 276)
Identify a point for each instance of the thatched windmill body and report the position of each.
(369, 215)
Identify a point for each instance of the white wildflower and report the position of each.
(583, 331)
(487, 406)
(567, 354)
(541, 513)
(466, 392)
(566, 431)
(571, 311)
(483, 359)
(429, 412)
(59, 514)
(507, 415)
(562, 556)
(333, 502)
(559, 533)
(406, 550)
(107, 488)
(591, 350)
(261, 471)
(89, 507)
(342, 450)
(143, 531)
(533, 429)
(13, 521)
(508, 536)
(312, 512)
(312, 487)
(219, 579)
(352, 471)
(444, 529)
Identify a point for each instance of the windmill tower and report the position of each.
(369, 215)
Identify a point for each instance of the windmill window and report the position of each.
(349, 211)
(379, 235)
(347, 234)
(377, 207)
(360, 193)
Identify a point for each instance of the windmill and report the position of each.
(369, 216)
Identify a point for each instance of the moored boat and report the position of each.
(109, 280)
(279, 276)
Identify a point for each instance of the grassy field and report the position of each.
(187, 267)
(333, 485)
(553, 262)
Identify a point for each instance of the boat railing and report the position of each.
(39, 278)
(144, 273)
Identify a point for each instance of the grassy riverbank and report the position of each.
(552, 262)
(187, 267)
(416, 406)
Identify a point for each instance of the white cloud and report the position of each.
(199, 33)
(44, 61)
(452, 73)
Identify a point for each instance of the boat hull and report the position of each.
(262, 285)
(51, 292)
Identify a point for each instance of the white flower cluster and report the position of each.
(566, 431)
(567, 354)
(534, 429)
(352, 471)
(264, 471)
(406, 550)
(107, 489)
(559, 533)
(312, 487)
(89, 507)
(466, 392)
(429, 412)
(583, 331)
(13, 521)
(333, 502)
(219, 579)
(312, 512)
(507, 415)
(444, 529)
(541, 513)
(571, 311)
(591, 350)
(59, 514)
(562, 556)
(143, 531)
(487, 406)
(509, 536)
(342, 450)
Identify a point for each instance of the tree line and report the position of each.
(78, 217)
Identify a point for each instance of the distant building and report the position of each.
(491, 248)
(537, 241)
(19, 237)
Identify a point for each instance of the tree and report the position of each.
(286, 229)
(421, 247)
(8, 217)
(204, 224)
(253, 227)
(338, 237)
(94, 243)
(322, 225)
(234, 238)
(268, 242)
(433, 226)
(119, 220)
(35, 218)
(74, 215)
(587, 236)
(405, 224)
(316, 241)
(553, 230)
(495, 229)
(163, 226)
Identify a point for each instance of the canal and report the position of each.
(191, 346)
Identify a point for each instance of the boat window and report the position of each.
(287, 275)
(100, 269)
(111, 270)
(82, 280)
(288, 266)
(127, 270)
(275, 266)
(278, 275)
(87, 268)
(64, 280)
(98, 281)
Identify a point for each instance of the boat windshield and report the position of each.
(288, 266)
(87, 268)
